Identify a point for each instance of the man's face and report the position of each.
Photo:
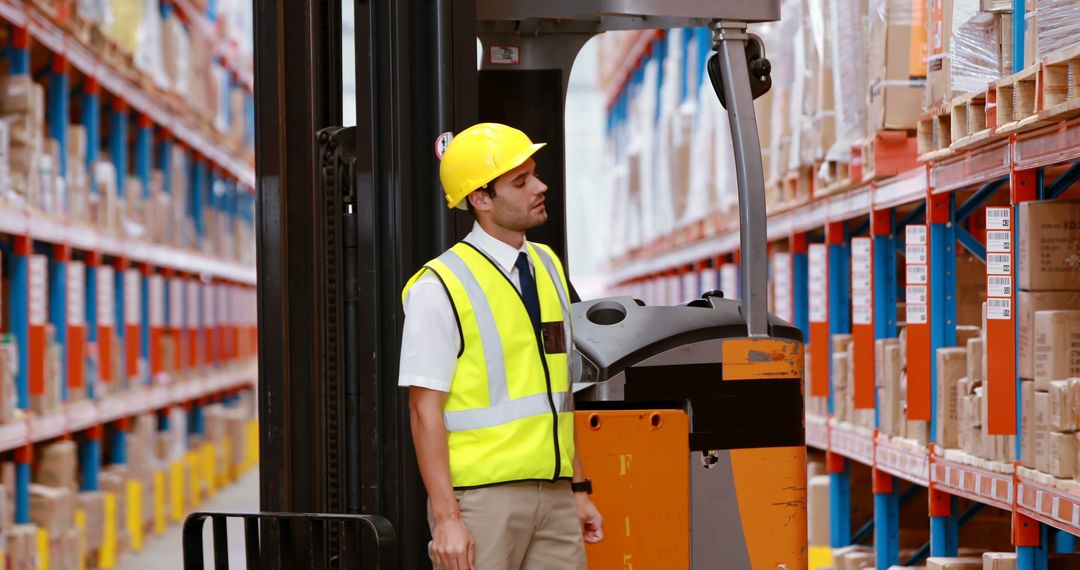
(518, 203)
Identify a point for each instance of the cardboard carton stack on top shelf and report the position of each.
(1049, 338)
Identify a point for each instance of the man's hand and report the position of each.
(592, 524)
(452, 546)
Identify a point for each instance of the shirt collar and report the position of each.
(499, 251)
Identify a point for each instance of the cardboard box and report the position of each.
(975, 360)
(52, 508)
(958, 563)
(1028, 303)
(918, 431)
(17, 94)
(1062, 404)
(1057, 346)
(1062, 455)
(1049, 248)
(93, 504)
(58, 465)
(1027, 423)
(999, 561)
(817, 506)
(1042, 431)
(895, 70)
(951, 367)
(22, 547)
(890, 393)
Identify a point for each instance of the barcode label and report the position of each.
(157, 301)
(781, 267)
(998, 241)
(860, 279)
(863, 298)
(860, 249)
(916, 275)
(916, 314)
(915, 235)
(998, 218)
(916, 294)
(998, 286)
(176, 303)
(999, 309)
(39, 290)
(998, 264)
(132, 297)
(862, 315)
(76, 293)
(106, 301)
(819, 287)
(193, 306)
(916, 254)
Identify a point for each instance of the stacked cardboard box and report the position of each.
(969, 47)
(1049, 336)
(22, 109)
(78, 177)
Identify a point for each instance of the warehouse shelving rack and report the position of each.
(927, 196)
(98, 280)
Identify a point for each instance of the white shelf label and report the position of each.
(209, 310)
(999, 286)
(689, 287)
(819, 285)
(861, 248)
(708, 283)
(917, 275)
(915, 234)
(916, 254)
(76, 293)
(176, 303)
(916, 314)
(998, 241)
(862, 298)
(916, 294)
(998, 264)
(132, 297)
(225, 307)
(193, 304)
(999, 218)
(729, 280)
(999, 309)
(106, 299)
(781, 270)
(862, 315)
(157, 300)
(860, 280)
(39, 290)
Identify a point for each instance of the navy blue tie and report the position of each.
(528, 289)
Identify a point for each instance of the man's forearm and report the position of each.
(433, 456)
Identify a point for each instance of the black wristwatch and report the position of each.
(582, 486)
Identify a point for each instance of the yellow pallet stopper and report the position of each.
(176, 491)
(209, 456)
(42, 549)
(107, 554)
(227, 467)
(159, 502)
(820, 557)
(80, 523)
(134, 513)
(194, 467)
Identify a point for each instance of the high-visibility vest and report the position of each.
(509, 410)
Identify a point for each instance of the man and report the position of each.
(485, 354)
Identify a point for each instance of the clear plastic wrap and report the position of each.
(1058, 25)
(849, 75)
(975, 52)
(149, 55)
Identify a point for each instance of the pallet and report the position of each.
(888, 153)
(970, 125)
(833, 177)
(934, 133)
(1019, 100)
(798, 185)
(79, 28)
(1061, 84)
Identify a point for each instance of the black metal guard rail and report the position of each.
(271, 541)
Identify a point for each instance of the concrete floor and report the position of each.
(165, 552)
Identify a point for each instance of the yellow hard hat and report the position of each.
(479, 155)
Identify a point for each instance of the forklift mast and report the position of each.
(347, 214)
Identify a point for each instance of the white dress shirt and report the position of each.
(430, 341)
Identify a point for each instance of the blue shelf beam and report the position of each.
(942, 287)
(117, 432)
(90, 459)
(979, 198)
(58, 308)
(59, 108)
(970, 243)
(20, 52)
(1063, 182)
(91, 120)
(20, 318)
(24, 458)
(118, 142)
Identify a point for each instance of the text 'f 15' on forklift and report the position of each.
(690, 417)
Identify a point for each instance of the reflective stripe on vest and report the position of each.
(501, 409)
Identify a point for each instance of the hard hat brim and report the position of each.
(512, 164)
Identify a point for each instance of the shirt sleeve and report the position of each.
(430, 338)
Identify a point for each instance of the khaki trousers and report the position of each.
(531, 525)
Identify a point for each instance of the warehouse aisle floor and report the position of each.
(164, 552)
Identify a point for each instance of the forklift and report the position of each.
(690, 417)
